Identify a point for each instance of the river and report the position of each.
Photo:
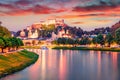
(71, 65)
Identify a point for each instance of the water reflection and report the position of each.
(71, 65)
(62, 66)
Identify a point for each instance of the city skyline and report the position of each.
(87, 14)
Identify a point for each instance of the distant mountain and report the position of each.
(115, 27)
(13, 33)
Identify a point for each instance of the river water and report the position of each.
(71, 65)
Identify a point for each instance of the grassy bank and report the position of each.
(13, 62)
(89, 48)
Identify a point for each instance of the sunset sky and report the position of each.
(87, 14)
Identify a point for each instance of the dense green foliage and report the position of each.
(85, 41)
(99, 39)
(94, 40)
(10, 42)
(6, 41)
(50, 27)
(109, 38)
(118, 36)
(2, 43)
(47, 30)
(88, 48)
(13, 62)
(65, 41)
(4, 32)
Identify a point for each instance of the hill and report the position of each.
(115, 27)
(4, 32)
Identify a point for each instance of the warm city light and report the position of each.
(59, 39)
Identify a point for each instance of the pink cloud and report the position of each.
(35, 9)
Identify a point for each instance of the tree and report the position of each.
(100, 39)
(84, 41)
(2, 44)
(17, 43)
(14, 41)
(94, 41)
(4, 32)
(76, 41)
(59, 40)
(109, 39)
(117, 35)
(64, 41)
(20, 42)
(70, 41)
(47, 30)
(8, 43)
(51, 27)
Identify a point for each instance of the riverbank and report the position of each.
(16, 61)
(89, 48)
(30, 47)
(35, 47)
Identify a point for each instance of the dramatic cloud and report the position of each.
(77, 22)
(108, 8)
(96, 8)
(54, 6)
(7, 6)
(103, 21)
(79, 12)
(23, 2)
(10, 9)
(88, 15)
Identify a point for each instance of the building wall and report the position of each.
(30, 42)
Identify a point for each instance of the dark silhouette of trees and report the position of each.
(94, 41)
(100, 39)
(117, 35)
(109, 39)
(84, 41)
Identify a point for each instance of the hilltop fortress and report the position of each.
(31, 32)
(56, 22)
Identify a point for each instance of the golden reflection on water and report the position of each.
(99, 64)
(109, 60)
(50, 60)
(43, 64)
(69, 65)
(62, 66)
(114, 59)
